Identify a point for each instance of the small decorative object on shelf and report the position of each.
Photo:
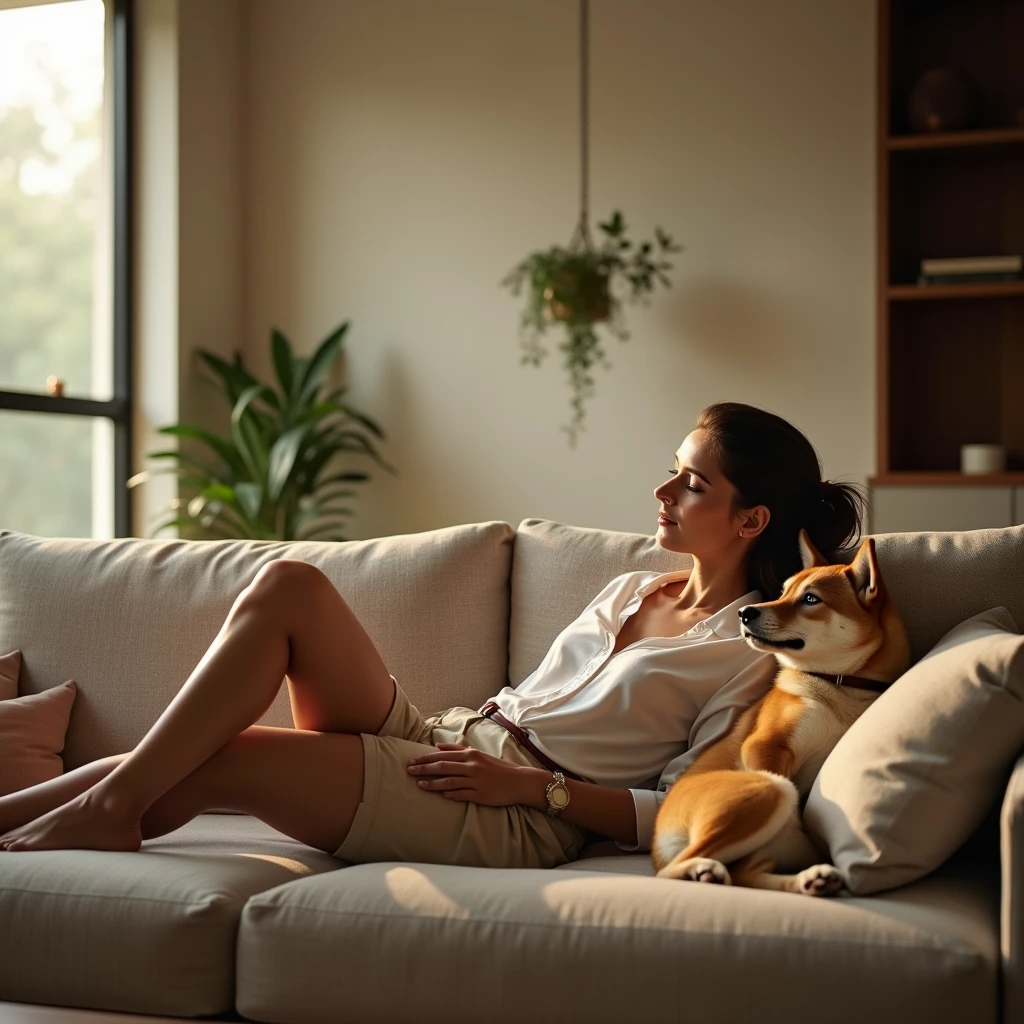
(971, 270)
(943, 100)
(268, 479)
(577, 286)
(54, 387)
(982, 458)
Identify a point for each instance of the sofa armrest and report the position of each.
(1011, 926)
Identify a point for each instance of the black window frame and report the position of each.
(120, 407)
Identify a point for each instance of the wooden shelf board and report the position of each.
(948, 479)
(948, 140)
(984, 290)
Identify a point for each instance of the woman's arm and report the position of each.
(602, 809)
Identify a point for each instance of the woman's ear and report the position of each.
(753, 520)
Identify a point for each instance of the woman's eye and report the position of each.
(811, 599)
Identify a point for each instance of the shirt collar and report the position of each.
(725, 622)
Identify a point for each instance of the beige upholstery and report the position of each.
(940, 579)
(557, 570)
(129, 619)
(391, 943)
(226, 913)
(151, 932)
(920, 769)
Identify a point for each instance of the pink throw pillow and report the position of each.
(10, 669)
(32, 729)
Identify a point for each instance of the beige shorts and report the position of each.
(396, 820)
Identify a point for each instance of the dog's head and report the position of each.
(831, 618)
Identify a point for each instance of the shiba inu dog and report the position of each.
(839, 641)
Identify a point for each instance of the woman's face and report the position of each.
(699, 501)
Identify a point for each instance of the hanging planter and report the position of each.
(583, 285)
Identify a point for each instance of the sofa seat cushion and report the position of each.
(592, 941)
(148, 932)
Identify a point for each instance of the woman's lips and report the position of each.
(665, 521)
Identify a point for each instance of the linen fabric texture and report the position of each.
(397, 820)
(137, 615)
(925, 764)
(636, 720)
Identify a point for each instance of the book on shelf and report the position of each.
(937, 279)
(972, 265)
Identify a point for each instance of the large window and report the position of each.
(65, 403)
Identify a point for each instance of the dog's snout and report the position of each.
(748, 613)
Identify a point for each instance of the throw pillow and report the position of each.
(32, 730)
(920, 770)
(10, 669)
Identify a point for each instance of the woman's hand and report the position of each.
(464, 773)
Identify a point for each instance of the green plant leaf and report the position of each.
(222, 446)
(247, 437)
(319, 364)
(359, 417)
(186, 459)
(250, 497)
(344, 476)
(284, 362)
(236, 378)
(282, 458)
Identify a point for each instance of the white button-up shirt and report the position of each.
(637, 720)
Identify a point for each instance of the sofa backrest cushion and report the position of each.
(940, 579)
(129, 619)
(936, 579)
(557, 570)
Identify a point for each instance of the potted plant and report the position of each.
(578, 287)
(267, 479)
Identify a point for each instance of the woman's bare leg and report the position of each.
(290, 619)
(253, 773)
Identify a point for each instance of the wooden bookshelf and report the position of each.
(950, 358)
(988, 290)
(946, 140)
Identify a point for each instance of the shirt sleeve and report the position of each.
(716, 718)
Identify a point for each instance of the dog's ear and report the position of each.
(864, 572)
(810, 556)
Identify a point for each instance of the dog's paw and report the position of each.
(820, 880)
(697, 869)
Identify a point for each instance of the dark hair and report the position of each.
(771, 463)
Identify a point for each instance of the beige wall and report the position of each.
(189, 189)
(403, 155)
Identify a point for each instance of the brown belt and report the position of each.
(490, 710)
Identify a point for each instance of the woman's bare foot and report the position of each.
(86, 822)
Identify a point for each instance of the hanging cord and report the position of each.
(582, 235)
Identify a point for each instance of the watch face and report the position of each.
(559, 796)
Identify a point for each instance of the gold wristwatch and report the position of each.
(557, 794)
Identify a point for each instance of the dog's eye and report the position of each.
(811, 599)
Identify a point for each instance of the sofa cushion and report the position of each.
(32, 732)
(940, 579)
(149, 932)
(936, 579)
(921, 768)
(130, 619)
(557, 570)
(10, 669)
(392, 942)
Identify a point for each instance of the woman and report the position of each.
(364, 776)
